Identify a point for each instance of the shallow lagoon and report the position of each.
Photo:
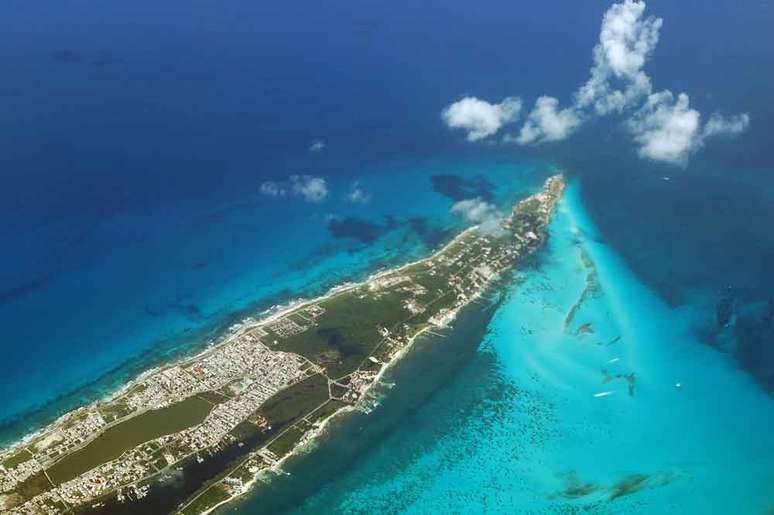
(629, 413)
(178, 277)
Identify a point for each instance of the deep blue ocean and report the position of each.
(134, 140)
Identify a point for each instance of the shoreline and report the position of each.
(318, 432)
(471, 253)
(248, 323)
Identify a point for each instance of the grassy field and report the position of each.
(285, 442)
(17, 459)
(29, 488)
(245, 430)
(328, 409)
(127, 435)
(348, 331)
(35, 485)
(209, 498)
(292, 404)
(114, 411)
(340, 337)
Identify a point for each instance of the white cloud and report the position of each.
(480, 212)
(626, 41)
(317, 145)
(312, 189)
(719, 125)
(357, 195)
(272, 189)
(480, 118)
(546, 122)
(665, 128)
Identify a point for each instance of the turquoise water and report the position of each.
(135, 138)
(529, 414)
(212, 266)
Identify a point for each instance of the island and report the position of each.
(265, 390)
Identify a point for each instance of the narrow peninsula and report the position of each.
(245, 404)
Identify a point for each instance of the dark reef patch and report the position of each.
(628, 485)
(574, 488)
(186, 343)
(360, 229)
(16, 292)
(459, 188)
(431, 236)
(755, 343)
(413, 406)
(355, 228)
(631, 379)
(103, 58)
(100, 59)
(192, 311)
(152, 310)
(316, 255)
(65, 56)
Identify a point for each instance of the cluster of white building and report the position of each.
(10, 478)
(286, 327)
(130, 468)
(265, 372)
(71, 434)
(259, 371)
(48, 503)
(247, 373)
(227, 415)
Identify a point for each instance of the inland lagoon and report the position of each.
(516, 408)
(172, 168)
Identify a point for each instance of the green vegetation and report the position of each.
(347, 332)
(286, 441)
(338, 334)
(242, 473)
(245, 430)
(32, 486)
(295, 317)
(210, 497)
(337, 390)
(527, 215)
(76, 417)
(128, 434)
(293, 403)
(326, 410)
(290, 406)
(115, 411)
(56, 506)
(214, 397)
(17, 459)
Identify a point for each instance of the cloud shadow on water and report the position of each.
(360, 229)
(459, 188)
(431, 235)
